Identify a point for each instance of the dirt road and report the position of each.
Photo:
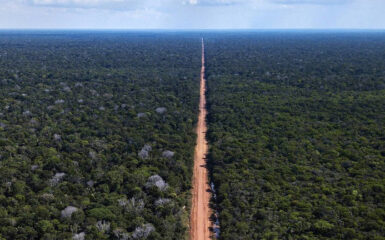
(200, 211)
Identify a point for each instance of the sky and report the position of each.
(192, 14)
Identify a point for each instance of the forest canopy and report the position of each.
(297, 134)
(96, 134)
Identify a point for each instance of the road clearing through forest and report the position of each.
(200, 211)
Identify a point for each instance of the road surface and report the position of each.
(200, 212)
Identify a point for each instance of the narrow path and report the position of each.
(200, 211)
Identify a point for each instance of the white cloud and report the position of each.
(185, 14)
(80, 2)
(219, 2)
(313, 2)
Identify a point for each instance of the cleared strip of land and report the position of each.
(200, 211)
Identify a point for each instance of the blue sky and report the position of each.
(192, 14)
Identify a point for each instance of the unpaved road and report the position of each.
(200, 211)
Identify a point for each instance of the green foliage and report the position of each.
(296, 133)
(101, 213)
(70, 132)
(45, 226)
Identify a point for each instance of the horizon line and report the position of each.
(192, 29)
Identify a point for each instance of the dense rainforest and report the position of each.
(297, 134)
(97, 134)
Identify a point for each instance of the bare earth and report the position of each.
(200, 211)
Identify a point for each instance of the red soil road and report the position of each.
(200, 212)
